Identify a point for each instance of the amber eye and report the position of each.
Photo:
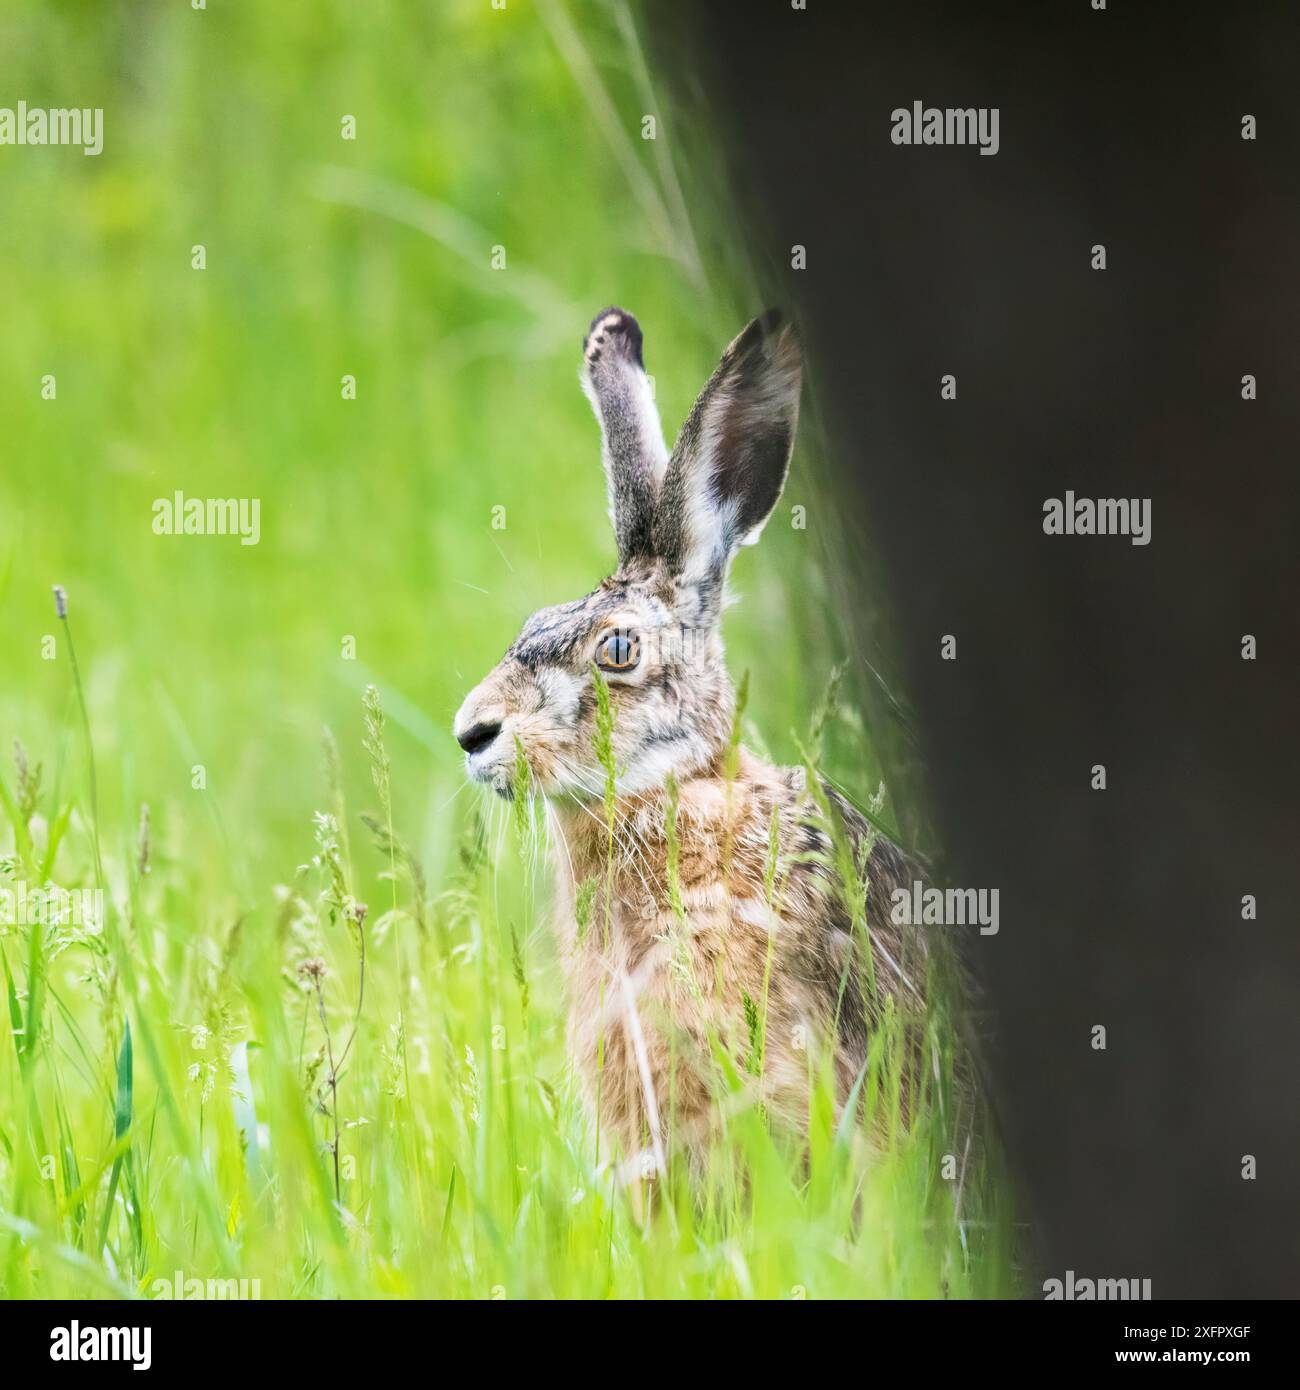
(618, 651)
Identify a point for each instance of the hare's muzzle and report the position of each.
(478, 736)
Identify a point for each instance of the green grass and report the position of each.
(165, 1099)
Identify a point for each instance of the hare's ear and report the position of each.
(730, 460)
(613, 376)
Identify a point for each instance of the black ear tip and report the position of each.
(610, 309)
(617, 328)
(770, 331)
(782, 331)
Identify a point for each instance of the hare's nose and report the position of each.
(478, 736)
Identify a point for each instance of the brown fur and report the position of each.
(689, 978)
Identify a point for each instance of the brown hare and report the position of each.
(719, 895)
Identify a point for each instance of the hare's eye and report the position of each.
(619, 651)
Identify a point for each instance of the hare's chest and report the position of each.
(625, 936)
(674, 954)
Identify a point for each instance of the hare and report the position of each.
(717, 897)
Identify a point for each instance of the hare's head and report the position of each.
(653, 627)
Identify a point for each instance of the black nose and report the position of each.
(478, 736)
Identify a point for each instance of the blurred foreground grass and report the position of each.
(163, 1105)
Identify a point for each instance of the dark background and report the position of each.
(1121, 907)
